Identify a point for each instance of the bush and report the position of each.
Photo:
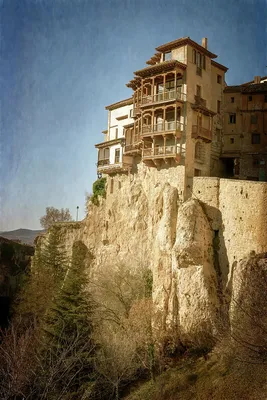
(99, 189)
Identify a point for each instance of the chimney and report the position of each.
(205, 42)
(257, 79)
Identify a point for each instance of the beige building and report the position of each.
(177, 112)
(110, 152)
(244, 152)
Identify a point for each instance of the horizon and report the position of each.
(63, 63)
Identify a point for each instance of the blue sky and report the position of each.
(63, 61)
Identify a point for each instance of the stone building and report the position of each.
(177, 114)
(244, 152)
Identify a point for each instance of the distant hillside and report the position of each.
(23, 235)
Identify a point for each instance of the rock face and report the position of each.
(144, 222)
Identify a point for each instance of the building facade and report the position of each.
(244, 151)
(111, 158)
(182, 113)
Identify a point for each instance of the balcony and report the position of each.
(136, 111)
(105, 167)
(200, 102)
(133, 146)
(198, 132)
(164, 97)
(158, 154)
(162, 127)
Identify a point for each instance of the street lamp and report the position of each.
(77, 213)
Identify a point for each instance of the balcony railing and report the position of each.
(136, 111)
(165, 126)
(164, 96)
(133, 145)
(200, 102)
(199, 71)
(160, 151)
(202, 133)
(105, 161)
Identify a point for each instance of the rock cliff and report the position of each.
(191, 246)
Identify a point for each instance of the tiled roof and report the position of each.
(164, 66)
(119, 104)
(248, 88)
(220, 66)
(183, 41)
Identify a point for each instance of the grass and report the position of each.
(197, 378)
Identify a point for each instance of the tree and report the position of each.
(54, 215)
(69, 348)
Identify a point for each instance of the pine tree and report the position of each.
(68, 331)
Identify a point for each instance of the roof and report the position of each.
(248, 88)
(164, 66)
(119, 104)
(251, 82)
(220, 66)
(109, 142)
(184, 41)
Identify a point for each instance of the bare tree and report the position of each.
(54, 215)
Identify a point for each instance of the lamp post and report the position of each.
(77, 214)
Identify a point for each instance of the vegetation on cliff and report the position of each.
(99, 189)
(77, 334)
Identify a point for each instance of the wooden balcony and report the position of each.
(161, 154)
(105, 167)
(134, 146)
(165, 127)
(136, 111)
(164, 97)
(198, 132)
(200, 102)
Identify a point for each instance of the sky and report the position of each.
(63, 61)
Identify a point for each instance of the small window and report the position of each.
(198, 91)
(116, 133)
(194, 56)
(253, 119)
(232, 118)
(232, 99)
(131, 113)
(219, 79)
(249, 98)
(203, 62)
(117, 156)
(265, 98)
(167, 56)
(232, 140)
(218, 106)
(255, 138)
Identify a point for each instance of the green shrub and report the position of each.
(99, 189)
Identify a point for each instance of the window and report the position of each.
(232, 118)
(167, 56)
(218, 106)
(116, 133)
(131, 113)
(219, 79)
(253, 119)
(232, 140)
(203, 62)
(117, 156)
(199, 152)
(194, 56)
(255, 138)
(106, 153)
(100, 154)
(249, 98)
(198, 91)
(169, 85)
(232, 99)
